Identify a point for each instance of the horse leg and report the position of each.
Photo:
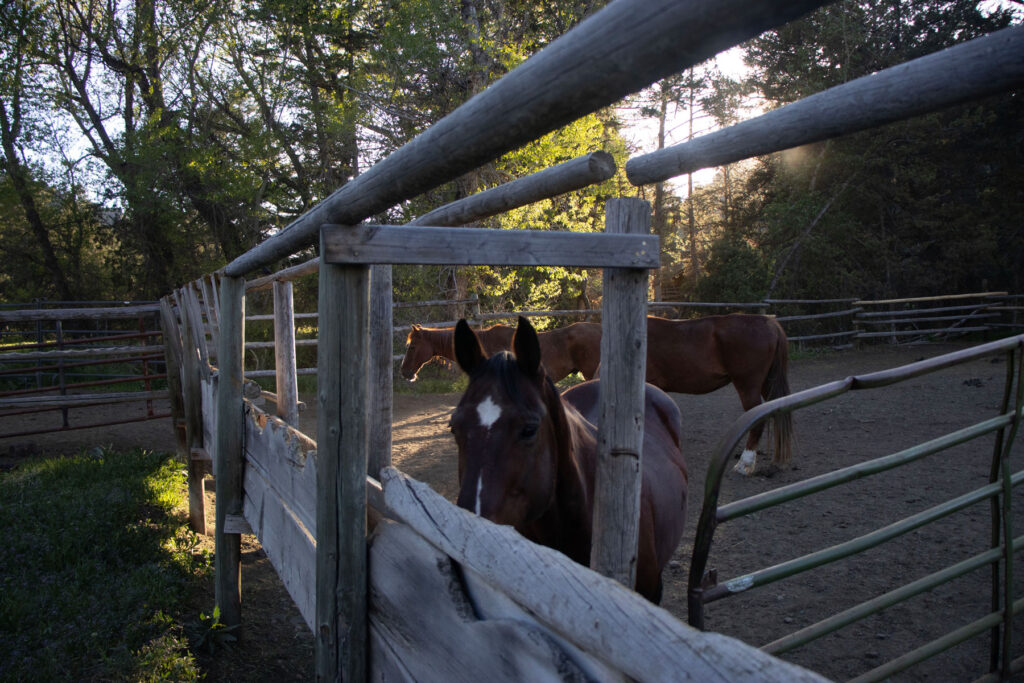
(750, 397)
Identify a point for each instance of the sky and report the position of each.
(643, 133)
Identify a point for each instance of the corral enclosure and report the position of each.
(310, 511)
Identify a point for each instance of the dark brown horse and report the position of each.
(575, 348)
(527, 455)
(701, 355)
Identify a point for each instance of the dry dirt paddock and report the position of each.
(850, 429)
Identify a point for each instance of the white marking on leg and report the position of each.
(479, 489)
(747, 463)
(489, 412)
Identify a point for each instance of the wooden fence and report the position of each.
(69, 359)
(540, 613)
(833, 323)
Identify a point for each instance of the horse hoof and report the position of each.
(747, 463)
(744, 469)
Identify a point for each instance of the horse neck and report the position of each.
(441, 341)
(575, 444)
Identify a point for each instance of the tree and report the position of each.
(906, 209)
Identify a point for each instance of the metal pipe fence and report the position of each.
(704, 586)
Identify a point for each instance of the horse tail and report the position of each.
(776, 385)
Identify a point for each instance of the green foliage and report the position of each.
(913, 208)
(214, 634)
(95, 563)
(736, 273)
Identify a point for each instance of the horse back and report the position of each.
(664, 478)
(665, 471)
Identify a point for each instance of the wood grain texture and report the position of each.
(618, 50)
(479, 246)
(271, 451)
(422, 619)
(229, 459)
(53, 314)
(566, 177)
(617, 481)
(284, 353)
(342, 444)
(971, 70)
(593, 612)
(382, 368)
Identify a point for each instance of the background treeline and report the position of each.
(146, 142)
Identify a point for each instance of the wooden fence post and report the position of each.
(181, 393)
(620, 431)
(284, 353)
(342, 445)
(229, 458)
(194, 371)
(382, 368)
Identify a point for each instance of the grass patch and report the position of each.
(96, 567)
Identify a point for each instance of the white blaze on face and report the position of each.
(488, 412)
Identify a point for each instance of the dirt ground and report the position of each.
(851, 428)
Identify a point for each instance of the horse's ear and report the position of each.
(468, 351)
(527, 347)
(415, 327)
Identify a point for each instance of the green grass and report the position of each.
(96, 567)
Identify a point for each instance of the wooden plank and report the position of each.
(289, 545)
(620, 429)
(382, 368)
(422, 617)
(557, 180)
(550, 182)
(288, 274)
(196, 325)
(480, 246)
(206, 302)
(918, 299)
(595, 613)
(229, 459)
(195, 467)
(195, 438)
(71, 353)
(342, 443)
(53, 314)
(286, 459)
(980, 67)
(618, 50)
(284, 353)
(928, 319)
(920, 333)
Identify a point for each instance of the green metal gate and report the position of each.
(704, 587)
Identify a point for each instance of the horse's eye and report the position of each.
(528, 431)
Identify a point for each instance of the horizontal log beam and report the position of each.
(917, 299)
(370, 244)
(621, 49)
(975, 69)
(54, 314)
(557, 180)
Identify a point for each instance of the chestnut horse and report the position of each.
(701, 355)
(527, 455)
(424, 344)
(575, 348)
